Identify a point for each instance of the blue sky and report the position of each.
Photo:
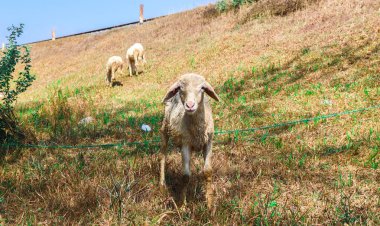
(74, 16)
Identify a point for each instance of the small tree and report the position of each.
(12, 84)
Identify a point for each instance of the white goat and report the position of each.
(188, 121)
(113, 64)
(135, 53)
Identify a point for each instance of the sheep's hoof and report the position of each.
(183, 190)
(182, 200)
(185, 179)
(163, 188)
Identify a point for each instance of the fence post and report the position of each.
(141, 13)
(3, 47)
(53, 34)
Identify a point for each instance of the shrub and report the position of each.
(237, 3)
(12, 84)
(224, 5)
(221, 5)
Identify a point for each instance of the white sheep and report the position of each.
(135, 53)
(113, 64)
(188, 121)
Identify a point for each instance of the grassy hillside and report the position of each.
(267, 67)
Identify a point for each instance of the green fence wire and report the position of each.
(299, 121)
(220, 132)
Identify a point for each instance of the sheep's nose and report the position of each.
(190, 104)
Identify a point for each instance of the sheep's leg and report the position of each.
(121, 68)
(163, 154)
(136, 57)
(144, 59)
(112, 76)
(185, 151)
(108, 78)
(207, 171)
(134, 68)
(130, 68)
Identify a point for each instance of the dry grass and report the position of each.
(318, 59)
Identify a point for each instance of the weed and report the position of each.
(343, 181)
(334, 62)
(373, 159)
(232, 87)
(193, 64)
(344, 210)
(309, 92)
(265, 209)
(80, 162)
(234, 206)
(305, 51)
(294, 160)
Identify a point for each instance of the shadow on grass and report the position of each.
(352, 147)
(117, 83)
(175, 183)
(61, 124)
(272, 78)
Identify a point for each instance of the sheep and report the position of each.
(113, 64)
(135, 53)
(188, 121)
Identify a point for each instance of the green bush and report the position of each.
(221, 5)
(11, 83)
(237, 3)
(224, 5)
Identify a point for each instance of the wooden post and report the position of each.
(141, 13)
(3, 47)
(53, 34)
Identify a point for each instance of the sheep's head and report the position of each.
(191, 89)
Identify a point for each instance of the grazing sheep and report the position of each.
(113, 64)
(135, 53)
(188, 121)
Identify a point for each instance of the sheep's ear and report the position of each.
(210, 91)
(172, 91)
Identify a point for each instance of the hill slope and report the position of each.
(267, 69)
